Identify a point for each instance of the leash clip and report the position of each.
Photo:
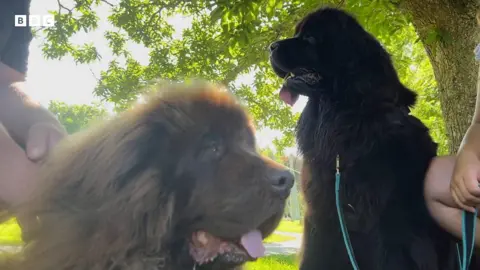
(338, 164)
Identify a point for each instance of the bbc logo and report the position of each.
(34, 20)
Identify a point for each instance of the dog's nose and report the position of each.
(282, 182)
(273, 46)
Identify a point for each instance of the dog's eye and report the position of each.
(212, 147)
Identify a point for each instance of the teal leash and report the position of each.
(341, 218)
(469, 222)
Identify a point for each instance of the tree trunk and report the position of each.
(451, 54)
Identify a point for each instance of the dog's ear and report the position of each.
(102, 189)
(108, 158)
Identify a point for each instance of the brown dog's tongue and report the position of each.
(287, 96)
(253, 244)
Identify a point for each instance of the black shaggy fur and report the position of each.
(357, 108)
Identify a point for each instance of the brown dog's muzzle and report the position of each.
(281, 181)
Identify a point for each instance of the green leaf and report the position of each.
(77, 117)
(216, 14)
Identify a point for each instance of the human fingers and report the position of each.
(42, 138)
(457, 197)
(469, 198)
(457, 191)
(471, 179)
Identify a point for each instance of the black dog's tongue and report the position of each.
(287, 96)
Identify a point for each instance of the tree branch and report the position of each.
(35, 31)
(108, 3)
(93, 74)
(61, 6)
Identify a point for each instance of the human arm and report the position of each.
(32, 126)
(18, 172)
(439, 199)
(465, 185)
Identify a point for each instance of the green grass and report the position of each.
(10, 233)
(290, 226)
(277, 238)
(274, 262)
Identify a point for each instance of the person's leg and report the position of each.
(438, 197)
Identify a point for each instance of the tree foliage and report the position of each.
(77, 117)
(228, 39)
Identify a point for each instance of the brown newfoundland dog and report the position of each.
(174, 184)
(358, 109)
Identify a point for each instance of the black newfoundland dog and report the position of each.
(358, 109)
(175, 184)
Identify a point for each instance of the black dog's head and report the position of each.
(330, 51)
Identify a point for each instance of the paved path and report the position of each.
(286, 247)
(9, 248)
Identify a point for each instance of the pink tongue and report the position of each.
(253, 244)
(287, 96)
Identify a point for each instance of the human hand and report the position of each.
(30, 125)
(464, 185)
(28, 132)
(438, 197)
(20, 168)
(42, 137)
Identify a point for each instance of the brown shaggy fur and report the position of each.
(129, 193)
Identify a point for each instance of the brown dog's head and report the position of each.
(175, 182)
